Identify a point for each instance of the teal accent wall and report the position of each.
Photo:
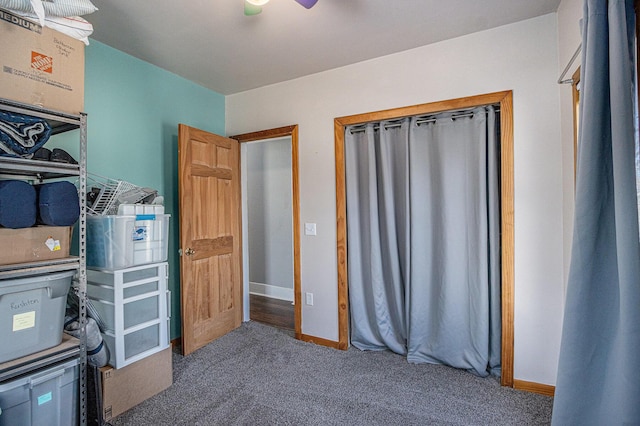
(134, 109)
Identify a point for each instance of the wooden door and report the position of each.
(210, 236)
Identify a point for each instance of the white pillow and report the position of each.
(68, 7)
(25, 6)
(73, 26)
(51, 7)
(34, 7)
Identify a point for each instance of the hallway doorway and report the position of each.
(270, 216)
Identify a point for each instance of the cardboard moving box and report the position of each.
(34, 244)
(40, 66)
(127, 387)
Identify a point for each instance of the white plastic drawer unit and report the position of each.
(132, 308)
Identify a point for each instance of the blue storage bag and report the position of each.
(22, 135)
(58, 204)
(17, 204)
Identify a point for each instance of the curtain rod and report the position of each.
(426, 119)
(566, 69)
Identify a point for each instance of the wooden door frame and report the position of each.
(280, 132)
(505, 100)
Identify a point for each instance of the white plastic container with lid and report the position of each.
(120, 241)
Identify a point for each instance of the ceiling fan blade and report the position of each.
(250, 9)
(307, 3)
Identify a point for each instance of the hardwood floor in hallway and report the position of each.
(275, 312)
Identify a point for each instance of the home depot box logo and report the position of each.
(41, 62)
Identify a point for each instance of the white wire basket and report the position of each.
(113, 192)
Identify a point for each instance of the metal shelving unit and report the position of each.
(38, 171)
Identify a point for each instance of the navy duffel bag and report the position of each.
(58, 203)
(17, 204)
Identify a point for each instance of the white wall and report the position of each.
(522, 57)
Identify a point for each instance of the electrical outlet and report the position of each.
(309, 229)
(309, 300)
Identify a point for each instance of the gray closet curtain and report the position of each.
(423, 233)
(597, 380)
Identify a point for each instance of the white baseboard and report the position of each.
(272, 291)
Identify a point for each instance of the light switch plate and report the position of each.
(309, 229)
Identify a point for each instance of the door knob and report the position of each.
(189, 251)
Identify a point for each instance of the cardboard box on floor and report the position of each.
(127, 387)
(34, 244)
(40, 66)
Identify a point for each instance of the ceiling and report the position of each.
(212, 43)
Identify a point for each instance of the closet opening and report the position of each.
(396, 221)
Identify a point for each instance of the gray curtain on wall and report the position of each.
(423, 239)
(599, 362)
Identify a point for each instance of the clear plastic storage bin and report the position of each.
(132, 308)
(121, 241)
(32, 313)
(47, 397)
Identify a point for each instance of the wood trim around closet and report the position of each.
(505, 100)
(542, 389)
(281, 132)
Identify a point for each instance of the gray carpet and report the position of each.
(259, 375)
